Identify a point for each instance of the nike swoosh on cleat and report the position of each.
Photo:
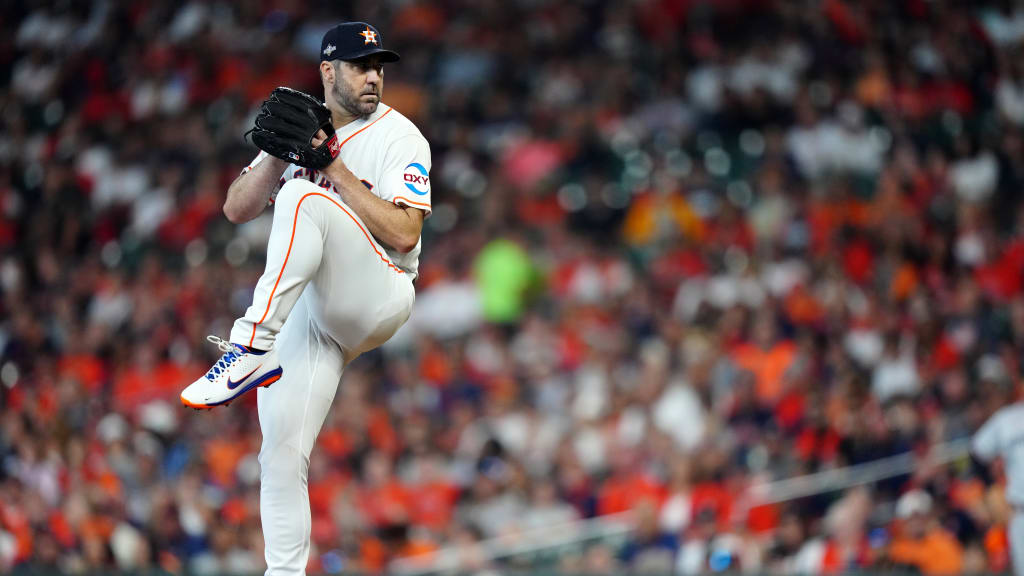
(235, 384)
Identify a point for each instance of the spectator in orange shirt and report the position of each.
(923, 543)
(767, 357)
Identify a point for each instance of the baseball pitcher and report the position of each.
(352, 190)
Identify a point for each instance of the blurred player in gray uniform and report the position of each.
(1003, 436)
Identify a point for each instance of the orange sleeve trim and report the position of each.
(291, 241)
(388, 111)
(411, 202)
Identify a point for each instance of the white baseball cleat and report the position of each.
(238, 371)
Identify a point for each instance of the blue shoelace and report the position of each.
(231, 353)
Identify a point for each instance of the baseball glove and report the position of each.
(286, 125)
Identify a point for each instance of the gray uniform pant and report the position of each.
(1016, 537)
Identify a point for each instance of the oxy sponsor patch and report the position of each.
(416, 180)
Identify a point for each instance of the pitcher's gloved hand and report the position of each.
(286, 125)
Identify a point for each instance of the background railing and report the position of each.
(543, 546)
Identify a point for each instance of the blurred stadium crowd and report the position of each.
(677, 247)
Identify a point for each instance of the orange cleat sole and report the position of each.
(194, 406)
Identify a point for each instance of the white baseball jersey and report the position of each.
(1003, 435)
(391, 157)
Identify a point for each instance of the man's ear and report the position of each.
(326, 72)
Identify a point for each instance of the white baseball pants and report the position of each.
(350, 298)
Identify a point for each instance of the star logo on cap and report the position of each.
(369, 36)
(330, 48)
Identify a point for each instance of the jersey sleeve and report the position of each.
(986, 443)
(405, 180)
